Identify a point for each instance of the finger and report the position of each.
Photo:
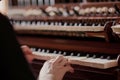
(50, 61)
(68, 68)
(26, 49)
(58, 59)
(64, 62)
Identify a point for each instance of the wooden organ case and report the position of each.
(81, 32)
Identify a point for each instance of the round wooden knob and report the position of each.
(76, 8)
(111, 10)
(71, 12)
(81, 12)
(104, 9)
(99, 10)
(93, 9)
(87, 10)
(52, 13)
(48, 9)
(61, 9)
(55, 9)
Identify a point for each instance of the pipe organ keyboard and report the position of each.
(59, 26)
(91, 58)
(85, 59)
(50, 31)
(76, 20)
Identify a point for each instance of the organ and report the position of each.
(86, 34)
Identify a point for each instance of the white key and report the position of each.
(27, 2)
(28, 23)
(99, 63)
(65, 24)
(38, 23)
(70, 24)
(47, 51)
(56, 23)
(46, 23)
(20, 3)
(52, 24)
(80, 24)
(64, 53)
(78, 55)
(33, 23)
(42, 23)
(40, 2)
(43, 51)
(23, 23)
(55, 52)
(75, 24)
(17, 23)
(60, 24)
(75, 58)
(93, 25)
(60, 52)
(52, 2)
(34, 2)
(33, 49)
(39, 50)
(45, 56)
(71, 54)
(46, 2)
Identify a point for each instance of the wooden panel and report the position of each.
(73, 45)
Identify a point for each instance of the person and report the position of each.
(14, 63)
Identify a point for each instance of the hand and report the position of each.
(55, 69)
(26, 49)
(28, 53)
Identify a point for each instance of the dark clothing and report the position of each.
(13, 64)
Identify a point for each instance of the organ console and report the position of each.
(86, 34)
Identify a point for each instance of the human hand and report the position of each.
(28, 53)
(26, 49)
(55, 69)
